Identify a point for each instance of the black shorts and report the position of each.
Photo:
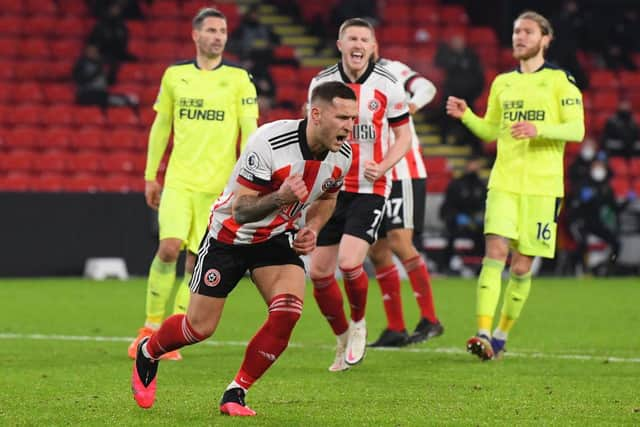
(356, 214)
(405, 206)
(220, 266)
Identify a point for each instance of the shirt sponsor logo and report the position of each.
(362, 132)
(527, 115)
(249, 101)
(570, 101)
(197, 114)
(212, 277)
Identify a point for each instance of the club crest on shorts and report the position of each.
(212, 277)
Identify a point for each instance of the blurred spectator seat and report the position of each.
(57, 138)
(72, 27)
(84, 161)
(132, 72)
(81, 183)
(12, 7)
(50, 161)
(58, 93)
(603, 80)
(67, 48)
(58, 115)
(88, 116)
(88, 138)
(43, 25)
(453, 15)
(123, 116)
(28, 93)
(481, 36)
(125, 139)
(395, 13)
(11, 25)
(306, 74)
(630, 80)
(161, 30)
(27, 115)
(620, 187)
(396, 34)
(41, 7)
(22, 137)
(605, 101)
(619, 166)
(17, 161)
(18, 182)
(164, 9)
(8, 47)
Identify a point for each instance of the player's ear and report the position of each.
(314, 114)
(194, 35)
(339, 45)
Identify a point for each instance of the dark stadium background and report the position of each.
(71, 176)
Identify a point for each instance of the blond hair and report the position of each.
(543, 23)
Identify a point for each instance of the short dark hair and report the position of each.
(355, 22)
(206, 12)
(329, 90)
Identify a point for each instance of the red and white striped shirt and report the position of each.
(275, 151)
(381, 103)
(412, 165)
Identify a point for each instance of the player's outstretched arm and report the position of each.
(250, 206)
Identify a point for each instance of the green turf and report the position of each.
(573, 327)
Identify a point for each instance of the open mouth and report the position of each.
(357, 56)
(341, 138)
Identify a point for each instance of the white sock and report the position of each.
(360, 323)
(145, 352)
(501, 335)
(484, 332)
(343, 338)
(234, 384)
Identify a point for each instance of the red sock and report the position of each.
(271, 340)
(329, 298)
(174, 333)
(389, 280)
(421, 284)
(356, 284)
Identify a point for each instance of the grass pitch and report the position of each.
(573, 359)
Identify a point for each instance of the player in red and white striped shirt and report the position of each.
(404, 216)
(282, 191)
(345, 240)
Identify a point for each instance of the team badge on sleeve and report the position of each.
(253, 161)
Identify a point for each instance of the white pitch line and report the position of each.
(447, 350)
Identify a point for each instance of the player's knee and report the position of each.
(378, 256)
(169, 250)
(284, 312)
(520, 268)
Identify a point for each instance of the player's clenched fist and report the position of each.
(292, 190)
(456, 107)
(305, 241)
(372, 171)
